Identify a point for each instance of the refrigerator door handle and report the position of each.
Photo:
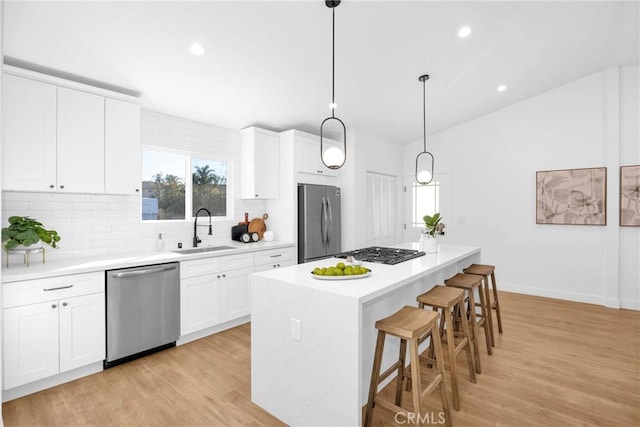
(323, 224)
(329, 223)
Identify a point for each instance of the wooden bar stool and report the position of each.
(487, 271)
(471, 282)
(409, 324)
(448, 300)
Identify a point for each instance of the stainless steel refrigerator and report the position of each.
(319, 229)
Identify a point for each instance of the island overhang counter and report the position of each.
(312, 341)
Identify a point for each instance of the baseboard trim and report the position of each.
(49, 382)
(550, 293)
(213, 330)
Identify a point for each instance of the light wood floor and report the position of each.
(558, 363)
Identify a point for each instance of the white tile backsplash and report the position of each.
(104, 225)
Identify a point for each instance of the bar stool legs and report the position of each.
(446, 299)
(469, 283)
(409, 324)
(488, 271)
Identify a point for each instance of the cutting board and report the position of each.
(258, 225)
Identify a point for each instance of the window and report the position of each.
(176, 184)
(426, 201)
(209, 178)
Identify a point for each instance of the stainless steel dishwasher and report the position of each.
(143, 311)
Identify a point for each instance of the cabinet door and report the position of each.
(82, 331)
(29, 132)
(308, 155)
(80, 141)
(234, 290)
(123, 168)
(260, 164)
(198, 303)
(30, 343)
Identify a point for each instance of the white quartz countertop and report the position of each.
(64, 266)
(383, 278)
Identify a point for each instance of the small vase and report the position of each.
(428, 243)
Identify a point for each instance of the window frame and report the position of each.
(188, 198)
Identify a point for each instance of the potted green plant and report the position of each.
(433, 228)
(25, 232)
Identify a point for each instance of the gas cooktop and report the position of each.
(380, 255)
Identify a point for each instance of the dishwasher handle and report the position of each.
(134, 273)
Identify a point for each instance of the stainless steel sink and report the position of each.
(203, 249)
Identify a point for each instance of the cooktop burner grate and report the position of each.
(390, 256)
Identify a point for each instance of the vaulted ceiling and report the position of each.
(268, 63)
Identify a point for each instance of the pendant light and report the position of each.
(333, 157)
(424, 160)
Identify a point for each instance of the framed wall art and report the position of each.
(630, 196)
(572, 196)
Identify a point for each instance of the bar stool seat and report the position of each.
(445, 299)
(471, 282)
(409, 324)
(488, 271)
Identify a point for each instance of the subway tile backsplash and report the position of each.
(107, 225)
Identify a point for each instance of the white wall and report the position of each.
(492, 163)
(365, 153)
(110, 224)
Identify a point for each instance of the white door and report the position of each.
(29, 132)
(235, 290)
(80, 141)
(123, 151)
(30, 343)
(82, 331)
(198, 303)
(382, 213)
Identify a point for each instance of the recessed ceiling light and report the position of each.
(196, 49)
(464, 32)
(501, 88)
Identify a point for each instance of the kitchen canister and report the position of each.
(268, 236)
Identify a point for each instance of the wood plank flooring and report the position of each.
(558, 363)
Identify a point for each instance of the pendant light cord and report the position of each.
(333, 63)
(424, 112)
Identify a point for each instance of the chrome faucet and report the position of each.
(196, 239)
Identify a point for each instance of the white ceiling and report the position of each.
(269, 63)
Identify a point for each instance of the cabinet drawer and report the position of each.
(199, 267)
(274, 255)
(204, 266)
(40, 290)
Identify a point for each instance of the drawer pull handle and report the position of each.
(58, 288)
(275, 256)
(64, 304)
(53, 306)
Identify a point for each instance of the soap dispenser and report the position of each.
(160, 243)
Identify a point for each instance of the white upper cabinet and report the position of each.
(123, 166)
(80, 142)
(29, 130)
(260, 158)
(308, 155)
(68, 137)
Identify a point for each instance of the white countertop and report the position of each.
(60, 267)
(383, 278)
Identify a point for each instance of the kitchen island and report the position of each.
(312, 341)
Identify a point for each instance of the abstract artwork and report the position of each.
(630, 196)
(572, 196)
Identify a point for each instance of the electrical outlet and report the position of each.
(295, 329)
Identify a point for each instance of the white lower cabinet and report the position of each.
(214, 291)
(51, 326)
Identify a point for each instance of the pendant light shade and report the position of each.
(424, 160)
(333, 157)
